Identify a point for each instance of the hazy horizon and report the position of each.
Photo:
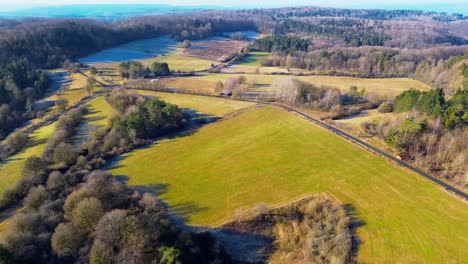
(22, 6)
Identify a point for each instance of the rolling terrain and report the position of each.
(270, 156)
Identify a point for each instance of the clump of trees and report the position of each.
(297, 93)
(432, 133)
(133, 69)
(100, 220)
(453, 112)
(121, 99)
(150, 119)
(160, 69)
(21, 84)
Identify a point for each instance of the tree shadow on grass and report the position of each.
(354, 225)
(35, 143)
(181, 212)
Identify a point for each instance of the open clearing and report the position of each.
(270, 156)
(176, 61)
(10, 169)
(216, 50)
(182, 63)
(388, 87)
(205, 105)
(254, 58)
(99, 114)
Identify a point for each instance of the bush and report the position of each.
(64, 154)
(35, 198)
(87, 213)
(385, 107)
(13, 143)
(67, 240)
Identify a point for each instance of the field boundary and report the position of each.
(374, 150)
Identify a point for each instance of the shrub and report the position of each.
(35, 198)
(67, 240)
(87, 213)
(64, 154)
(385, 107)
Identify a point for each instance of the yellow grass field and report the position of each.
(176, 63)
(202, 104)
(386, 87)
(270, 156)
(10, 169)
(182, 63)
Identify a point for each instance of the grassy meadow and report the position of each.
(176, 63)
(387, 87)
(10, 169)
(254, 58)
(270, 156)
(98, 115)
(206, 105)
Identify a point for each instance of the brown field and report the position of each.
(217, 50)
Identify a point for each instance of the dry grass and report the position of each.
(386, 87)
(214, 50)
(10, 169)
(178, 61)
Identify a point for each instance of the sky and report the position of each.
(410, 4)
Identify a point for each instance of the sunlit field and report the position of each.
(271, 156)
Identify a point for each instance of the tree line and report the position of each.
(442, 66)
(21, 85)
(83, 215)
(431, 133)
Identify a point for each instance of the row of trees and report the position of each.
(59, 149)
(84, 215)
(440, 66)
(135, 69)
